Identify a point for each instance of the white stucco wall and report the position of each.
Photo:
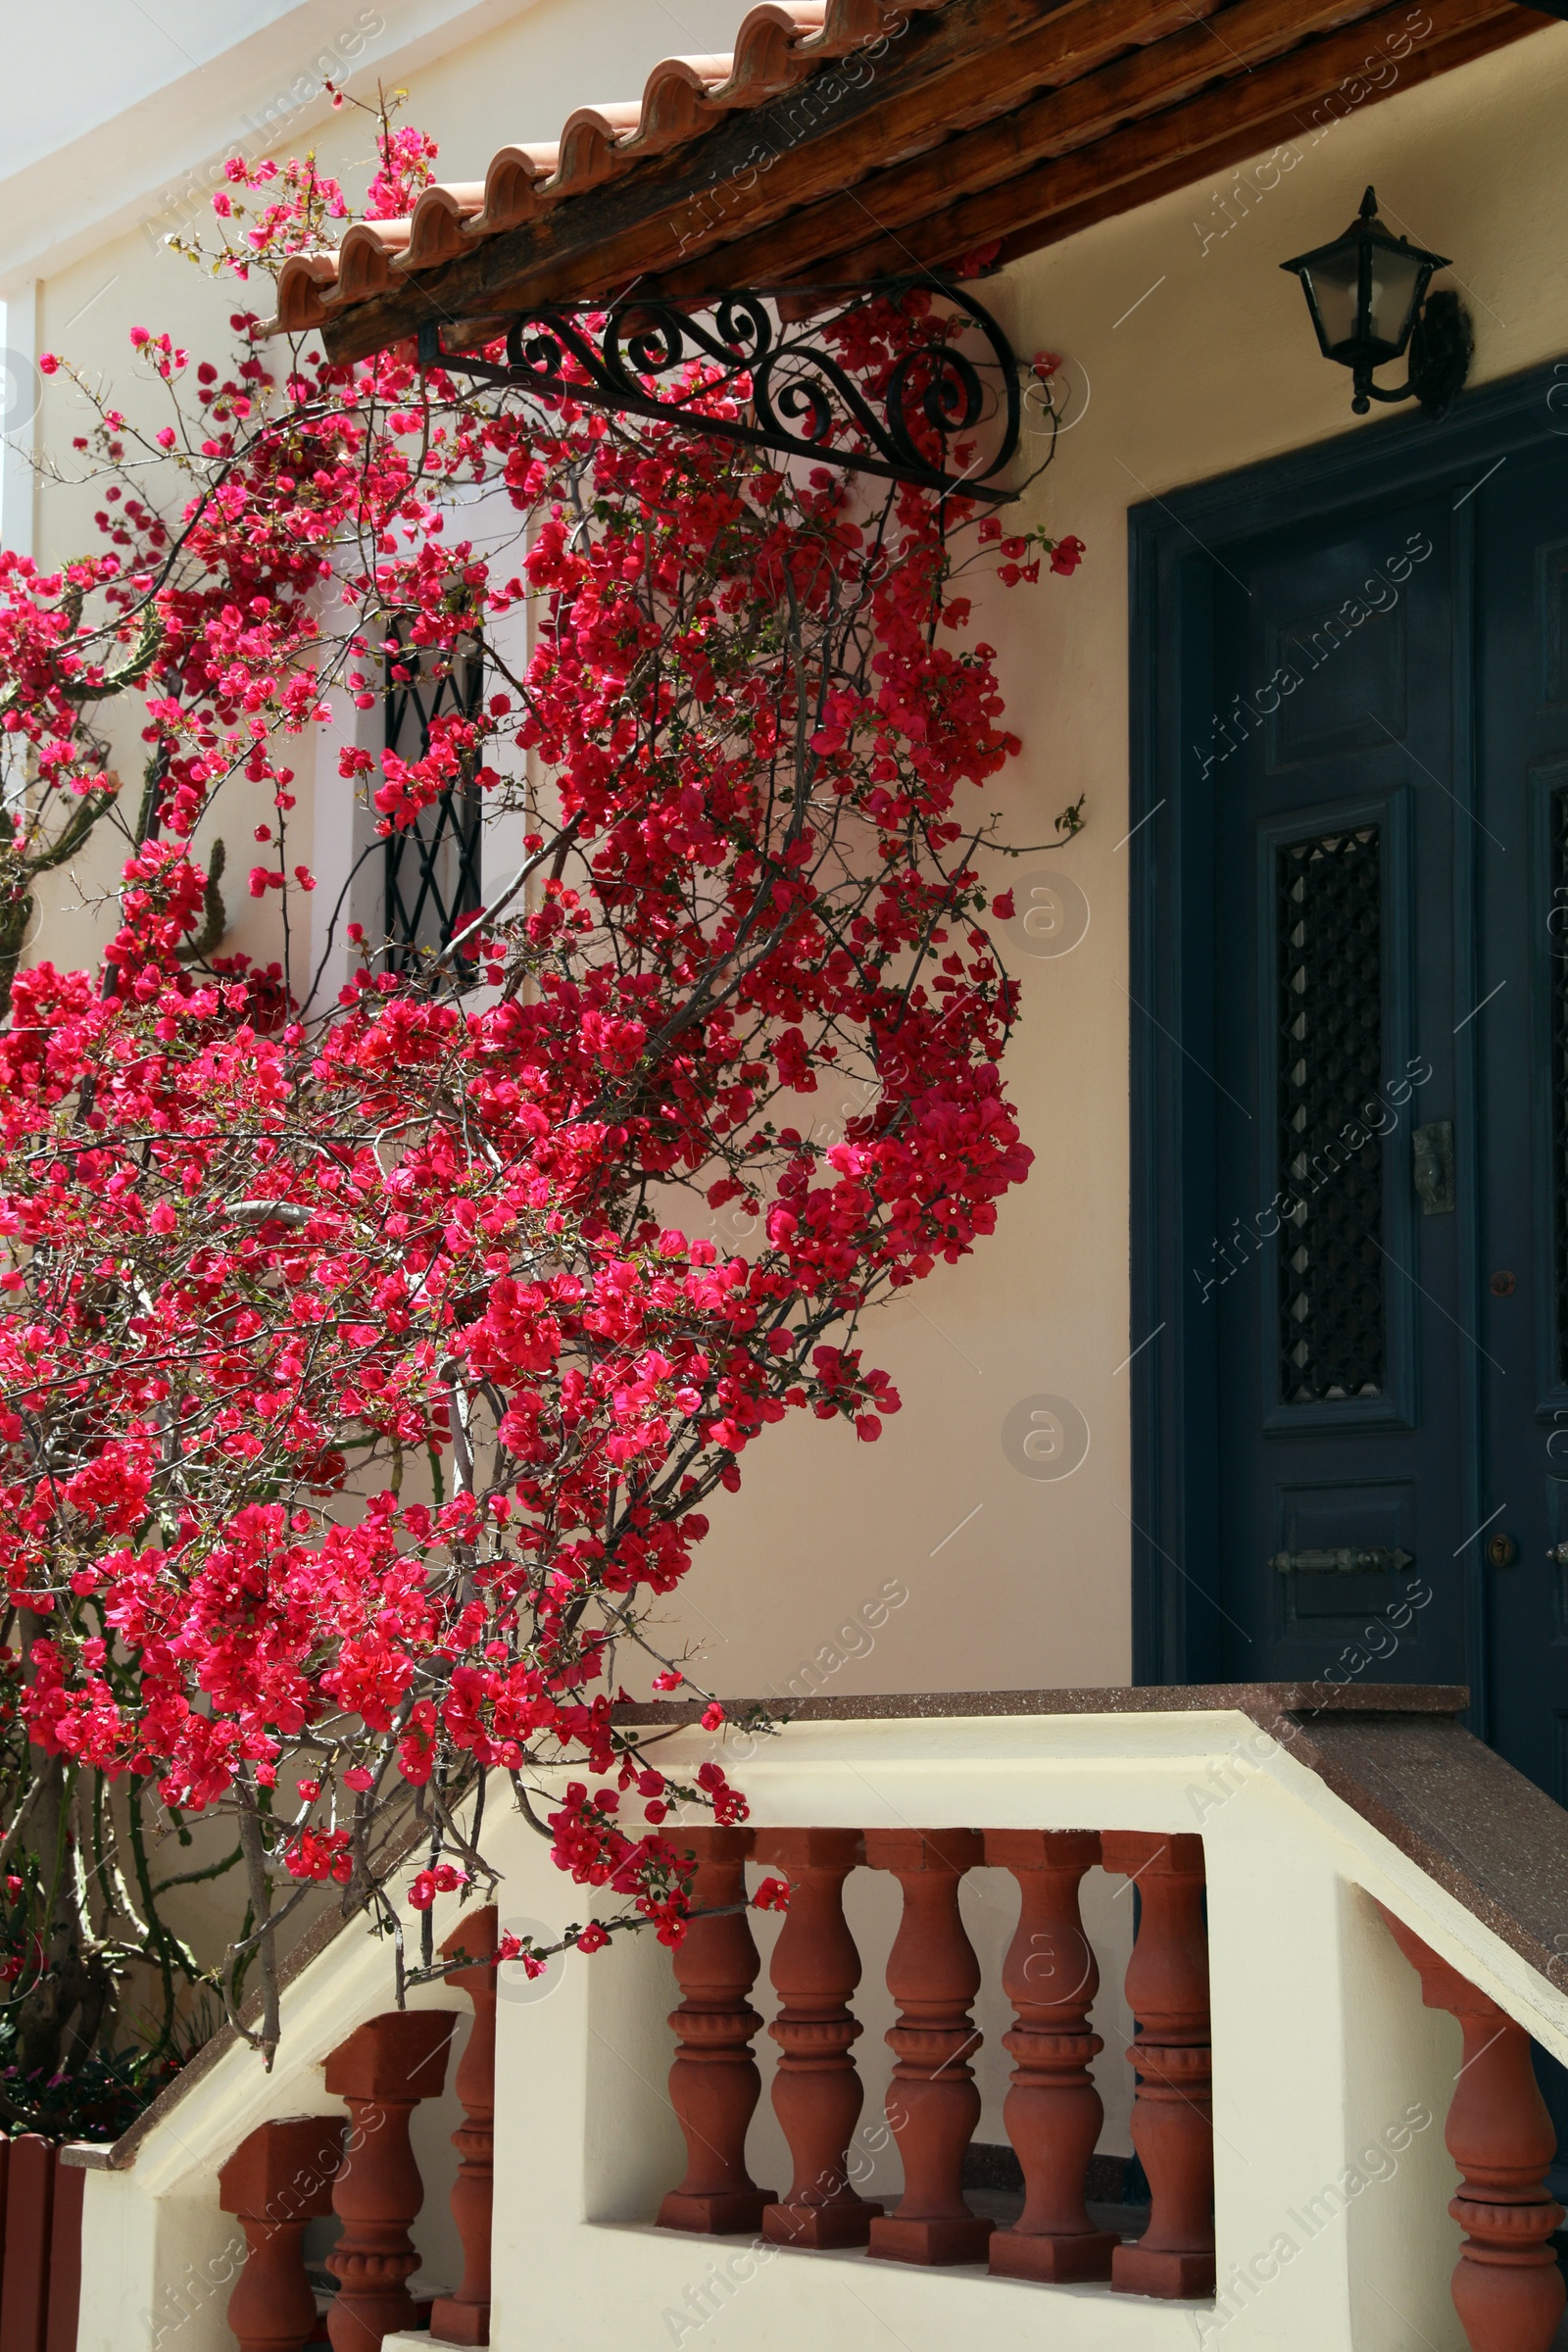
(1191, 355)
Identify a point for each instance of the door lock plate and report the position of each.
(1431, 1166)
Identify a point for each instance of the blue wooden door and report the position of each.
(1388, 1270)
(1349, 985)
(1522, 1099)
(1349, 840)
(1333, 1273)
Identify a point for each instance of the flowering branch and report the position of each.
(367, 1370)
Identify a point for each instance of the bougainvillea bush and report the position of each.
(370, 1369)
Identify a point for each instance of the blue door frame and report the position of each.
(1176, 545)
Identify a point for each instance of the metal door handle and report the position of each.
(1558, 1556)
(1343, 1561)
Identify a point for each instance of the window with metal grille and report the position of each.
(432, 866)
(1330, 981)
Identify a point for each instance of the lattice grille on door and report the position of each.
(1332, 1342)
(432, 868)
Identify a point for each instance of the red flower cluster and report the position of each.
(366, 1370)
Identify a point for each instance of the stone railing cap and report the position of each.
(1263, 1701)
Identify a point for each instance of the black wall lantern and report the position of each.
(1365, 293)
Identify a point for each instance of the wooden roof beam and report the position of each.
(823, 134)
(1236, 144)
(1266, 108)
(1057, 51)
(1148, 83)
(1249, 139)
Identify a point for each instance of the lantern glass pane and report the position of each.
(1395, 284)
(1336, 279)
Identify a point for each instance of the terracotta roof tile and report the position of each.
(777, 45)
(958, 127)
(438, 231)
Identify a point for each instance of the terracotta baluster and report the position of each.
(816, 2090)
(714, 2083)
(933, 2105)
(1053, 2111)
(383, 2069)
(464, 2317)
(1507, 2289)
(1173, 2123)
(276, 2181)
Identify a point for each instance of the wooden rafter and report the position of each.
(1077, 119)
(1061, 51)
(983, 124)
(1131, 179)
(677, 191)
(1271, 108)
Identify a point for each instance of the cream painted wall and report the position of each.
(1193, 358)
(1193, 355)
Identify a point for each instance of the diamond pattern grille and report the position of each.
(1332, 1342)
(432, 868)
(1560, 1066)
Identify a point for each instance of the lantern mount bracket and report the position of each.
(1442, 345)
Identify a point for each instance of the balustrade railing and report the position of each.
(1508, 2289)
(1053, 2113)
(1291, 2173)
(300, 2169)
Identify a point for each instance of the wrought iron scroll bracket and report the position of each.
(789, 391)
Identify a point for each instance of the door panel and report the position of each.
(1522, 1060)
(1393, 1418)
(1341, 1485)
